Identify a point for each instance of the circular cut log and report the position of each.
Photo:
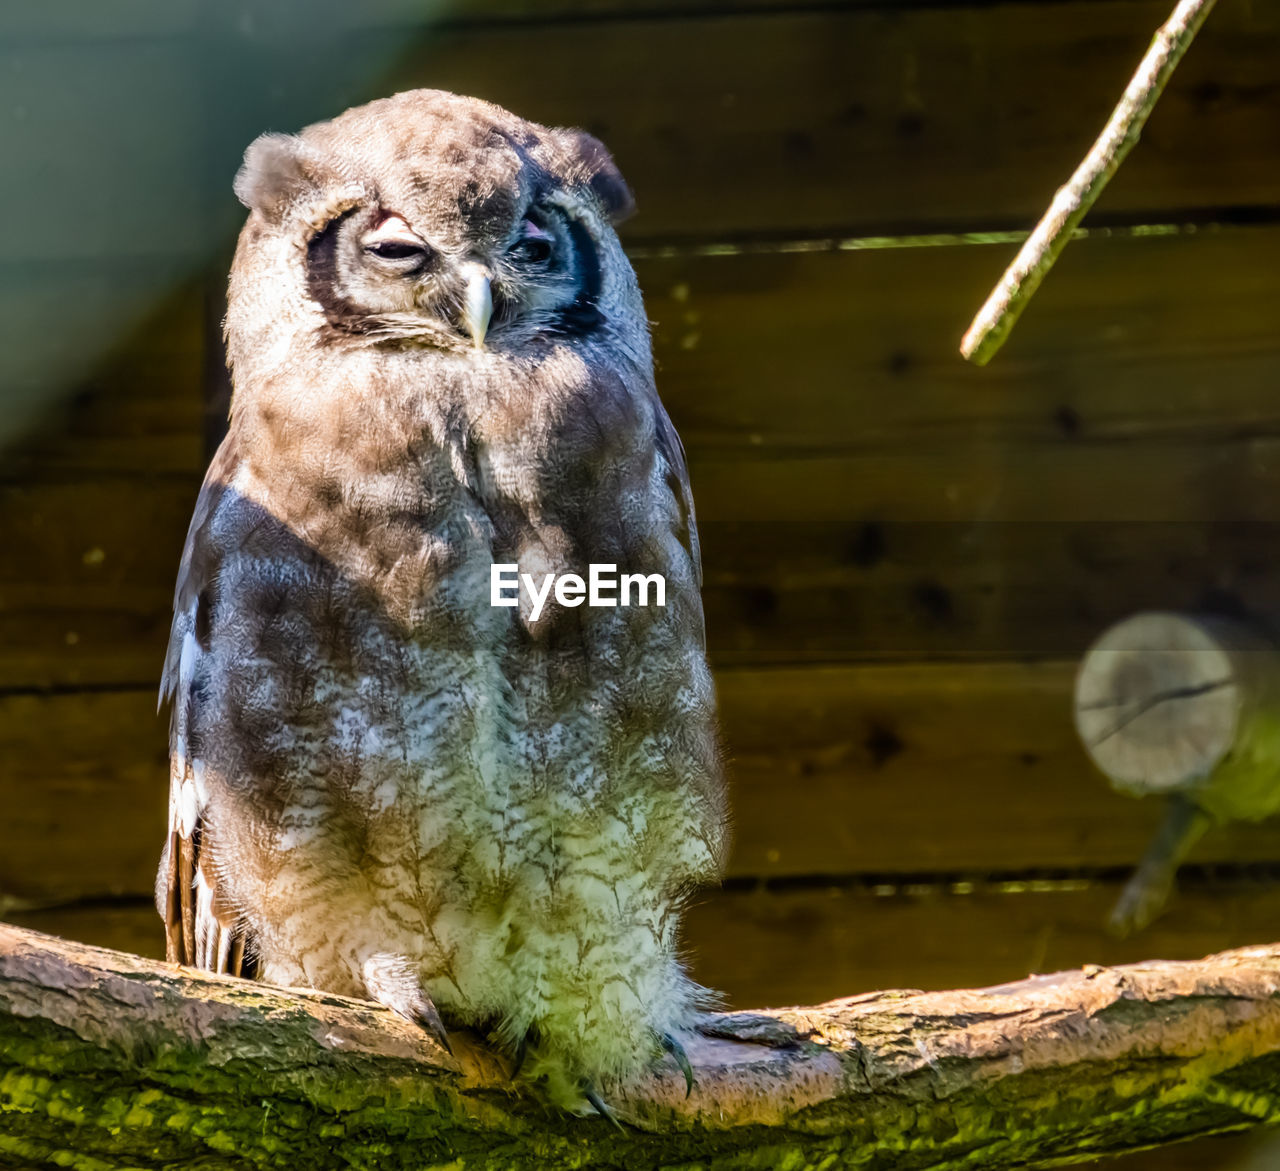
(1185, 707)
(1174, 703)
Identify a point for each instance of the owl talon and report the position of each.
(527, 1042)
(428, 1020)
(393, 981)
(522, 1051)
(672, 1046)
(588, 1092)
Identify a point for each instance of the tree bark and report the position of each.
(111, 1061)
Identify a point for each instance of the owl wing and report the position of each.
(200, 930)
(671, 448)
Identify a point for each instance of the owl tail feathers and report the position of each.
(393, 981)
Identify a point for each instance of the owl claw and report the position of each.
(588, 1092)
(672, 1046)
(428, 1020)
(528, 1041)
(392, 980)
(522, 1051)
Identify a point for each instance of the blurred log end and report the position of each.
(1186, 707)
(1168, 703)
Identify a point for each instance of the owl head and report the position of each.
(428, 220)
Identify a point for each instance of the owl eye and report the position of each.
(534, 247)
(396, 250)
(397, 244)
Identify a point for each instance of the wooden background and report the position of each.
(905, 556)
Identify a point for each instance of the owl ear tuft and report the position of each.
(595, 165)
(276, 170)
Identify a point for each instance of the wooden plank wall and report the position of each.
(905, 556)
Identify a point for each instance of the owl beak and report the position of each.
(477, 308)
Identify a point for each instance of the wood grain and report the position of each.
(798, 946)
(874, 119)
(961, 770)
(86, 584)
(792, 592)
(1204, 483)
(84, 792)
(1161, 337)
(790, 947)
(138, 410)
(853, 119)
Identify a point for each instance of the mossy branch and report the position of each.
(111, 1061)
(1003, 307)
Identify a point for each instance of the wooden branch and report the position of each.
(1185, 707)
(111, 1061)
(1004, 306)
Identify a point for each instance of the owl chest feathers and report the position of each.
(405, 723)
(433, 462)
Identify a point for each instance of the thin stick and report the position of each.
(1021, 279)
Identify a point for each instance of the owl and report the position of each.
(383, 784)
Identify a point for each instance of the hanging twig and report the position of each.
(1021, 279)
